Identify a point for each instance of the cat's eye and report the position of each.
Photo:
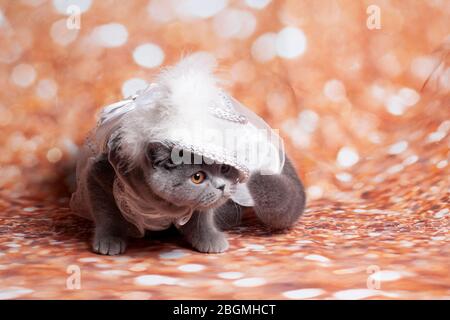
(224, 169)
(198, 177)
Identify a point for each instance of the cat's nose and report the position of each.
(219, 184)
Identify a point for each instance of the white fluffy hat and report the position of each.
(185, 108)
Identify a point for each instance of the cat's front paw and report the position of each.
(109, 245)
(214, 242)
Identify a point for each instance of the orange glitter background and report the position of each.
(369, 140)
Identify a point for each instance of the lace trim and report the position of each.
(149, 220)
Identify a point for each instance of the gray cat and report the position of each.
(127, 181)
(203, 189)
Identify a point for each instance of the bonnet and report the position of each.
(186, 109)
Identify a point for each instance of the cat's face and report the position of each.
(198, 186)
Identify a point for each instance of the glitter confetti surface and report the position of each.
(359, 90)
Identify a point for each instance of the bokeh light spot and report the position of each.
(46, 89)
(290, 43)
(334, 90)
(263, 48)
(54, 155)
(131, 86)
(200, 8)
(148, 55)
(233, 23)
(62, 5)
(110, 35)
(308, 120)
(161, 11)
(23, 75)
(257, 4)
(347, 157)
(398, 147)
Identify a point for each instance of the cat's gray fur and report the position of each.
(279, 199)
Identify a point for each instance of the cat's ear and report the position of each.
(158, 154)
